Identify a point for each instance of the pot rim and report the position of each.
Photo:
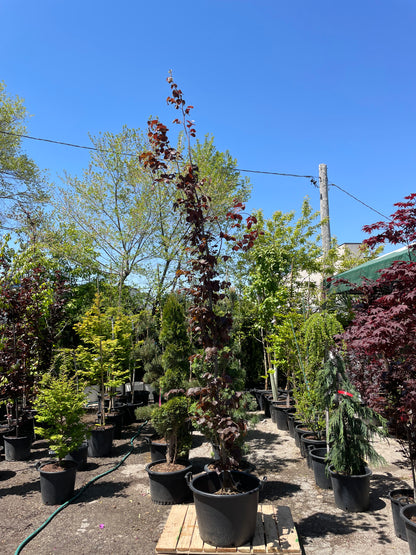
(68, 464)
(219, 495)
(368, 472)
(412, 507)
(154, 463)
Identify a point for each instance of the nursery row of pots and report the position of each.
(57, 479)
(351, 493)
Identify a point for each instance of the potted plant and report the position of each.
(32, 300)
(167, 474)
(210, 327)
(60, 406)
(352, 425)
(102, 361)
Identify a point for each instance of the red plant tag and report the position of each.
(341, 392)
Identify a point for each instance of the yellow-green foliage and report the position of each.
(60, 406)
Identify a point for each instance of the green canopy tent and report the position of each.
(370, 269)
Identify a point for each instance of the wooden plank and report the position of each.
(258, 540)
(270, 530)
(187, 531)
(275, 533)
(288, 537)
(196, 545)
(209, 548)
(171, 532)
(246, 548)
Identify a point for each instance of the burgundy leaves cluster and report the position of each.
(381, 340)
(203, 237)
(28, 334)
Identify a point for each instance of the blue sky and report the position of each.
(283, 85)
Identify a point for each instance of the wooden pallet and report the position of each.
(275, 533)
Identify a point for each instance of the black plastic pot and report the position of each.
(17, 448)
(406, 513)
(281, 417)
(301, 429)
(101, 441)
(259, 393)
(292, 422)
(319, 464)
(226, 520)
(158, 450)
(168, 488)
(57, 487)
(310, 441)
(267, 399)
(141, 396)
(6, 431)
(400, 498)
(79, 456)
(351, 493)
(273, 412)
(116, 420)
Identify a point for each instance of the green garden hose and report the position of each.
(81, 491)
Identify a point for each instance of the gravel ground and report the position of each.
(115, 515)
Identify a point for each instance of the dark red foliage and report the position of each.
(203, 236)
(28, 332)
(381, 340)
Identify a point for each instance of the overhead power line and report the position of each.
(360, 201)
(311, 177)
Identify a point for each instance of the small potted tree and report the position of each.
(352, 425)
(167, 476)
(174, 339)
(233, 520)
(102, 361)
(60, 406)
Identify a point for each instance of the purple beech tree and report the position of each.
(205, 285)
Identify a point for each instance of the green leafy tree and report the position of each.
(60, 406)
(103, 356)
(22, 185)
(170, 422)
(279, 266)
(109, 208)
(318, 336)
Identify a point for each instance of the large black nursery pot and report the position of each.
(292, 422)
(308, 442)
(79, 456)
(168, 488)
(400, 498)
(57, 486)
(319, 467)
(351, 492)
(301, 429)
(273, 411)
(407, 513)
(116, 420)
(225, 520)
(158, 449)
(17, 448)
(101, 441)
(281, 416)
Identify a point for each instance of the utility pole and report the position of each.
(324, 209)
